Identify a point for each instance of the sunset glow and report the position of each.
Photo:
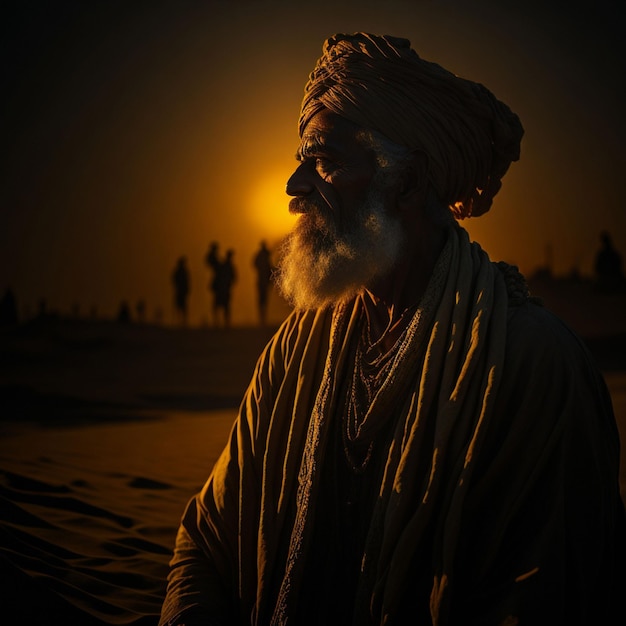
(267, 206)
(128, 143)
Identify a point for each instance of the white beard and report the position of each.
(320, 266)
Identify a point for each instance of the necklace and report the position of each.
(372, 368)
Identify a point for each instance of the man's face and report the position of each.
(345, 238)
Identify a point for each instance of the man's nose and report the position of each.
(299, 183)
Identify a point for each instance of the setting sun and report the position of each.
(267, 204)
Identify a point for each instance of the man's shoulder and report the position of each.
(536, 333)
(300, 328)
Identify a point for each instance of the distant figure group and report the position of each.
(608, 278)
(223, 276)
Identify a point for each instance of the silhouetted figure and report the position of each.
(8, 308)
(608, 267)
(212, 256)
(263, 266)
(182, 287)
(123, 313)
(212, 261)
(225, 278)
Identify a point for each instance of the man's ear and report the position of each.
(413, 182)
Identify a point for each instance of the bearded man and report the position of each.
(422, 442)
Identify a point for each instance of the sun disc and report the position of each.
(268, 205)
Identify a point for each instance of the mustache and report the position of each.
(299, 205)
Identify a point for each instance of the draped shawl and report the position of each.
(513, 422)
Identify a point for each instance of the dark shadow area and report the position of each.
(22, 403)
(59, 372)
(29, 602)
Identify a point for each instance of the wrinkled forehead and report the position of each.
(330, 133)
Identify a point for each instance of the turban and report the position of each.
(381, 84)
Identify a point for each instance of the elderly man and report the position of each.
(421, 443)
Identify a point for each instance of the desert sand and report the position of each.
(108, 429)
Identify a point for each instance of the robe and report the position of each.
(492, 496)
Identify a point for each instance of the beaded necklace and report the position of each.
(372, 367)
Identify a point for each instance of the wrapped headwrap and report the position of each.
(380, 83)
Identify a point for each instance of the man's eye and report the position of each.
(323, 164)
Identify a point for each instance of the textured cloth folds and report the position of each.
(461, 356)
(380, 83)
(502, 468)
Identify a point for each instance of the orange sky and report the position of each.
(133, 137)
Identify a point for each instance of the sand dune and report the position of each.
(107, 430)
(91, 512)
